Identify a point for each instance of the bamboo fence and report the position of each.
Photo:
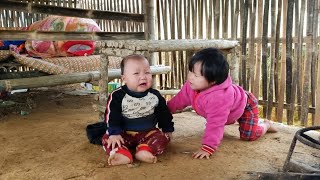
(278, 56)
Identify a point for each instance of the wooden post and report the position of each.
(150, 33)
(103, 84)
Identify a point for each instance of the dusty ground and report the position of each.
(51, 143)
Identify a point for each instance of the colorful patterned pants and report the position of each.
(154, 141)
(249, 127)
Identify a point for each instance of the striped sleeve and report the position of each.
(113, 115)
(207, 149)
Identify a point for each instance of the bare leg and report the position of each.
(268, 127)
(146, 156)
(118, 159)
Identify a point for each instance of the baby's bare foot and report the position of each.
(272, 128)
(118, 159)
(146, 156)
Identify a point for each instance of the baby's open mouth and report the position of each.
(143, 84)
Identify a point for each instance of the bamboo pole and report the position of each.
(225, 19)
(217, 19)
(283, 65)
(277, 50)
(59, 35)
(272, 61)
(66, 11)
(290, 116)
(193, 16)
(256, 78)
(175, 44)
(317, 105)
(180, 12)
(150, 20)
(200, 25)
(234, 65)
(209, 19)
(264, 57)
(62, 79)
(299, 56)
(289, 68)
(103, 83)
(307, 67)
(173, 22)
(314, 56)
(244, 46)
(251, 61)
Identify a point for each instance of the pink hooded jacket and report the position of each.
(220, 105)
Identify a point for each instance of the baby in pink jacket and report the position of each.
(210, 91)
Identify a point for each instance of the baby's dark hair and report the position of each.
(214, 68)
(132, 56)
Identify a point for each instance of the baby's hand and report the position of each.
(169, 134)
(114, 140)
(201, 154)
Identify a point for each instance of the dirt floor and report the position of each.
(51, 143)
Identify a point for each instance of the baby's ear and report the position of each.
(123, 78)
(212, 83)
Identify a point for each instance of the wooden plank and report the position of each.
(55, 35)
(66, 11)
